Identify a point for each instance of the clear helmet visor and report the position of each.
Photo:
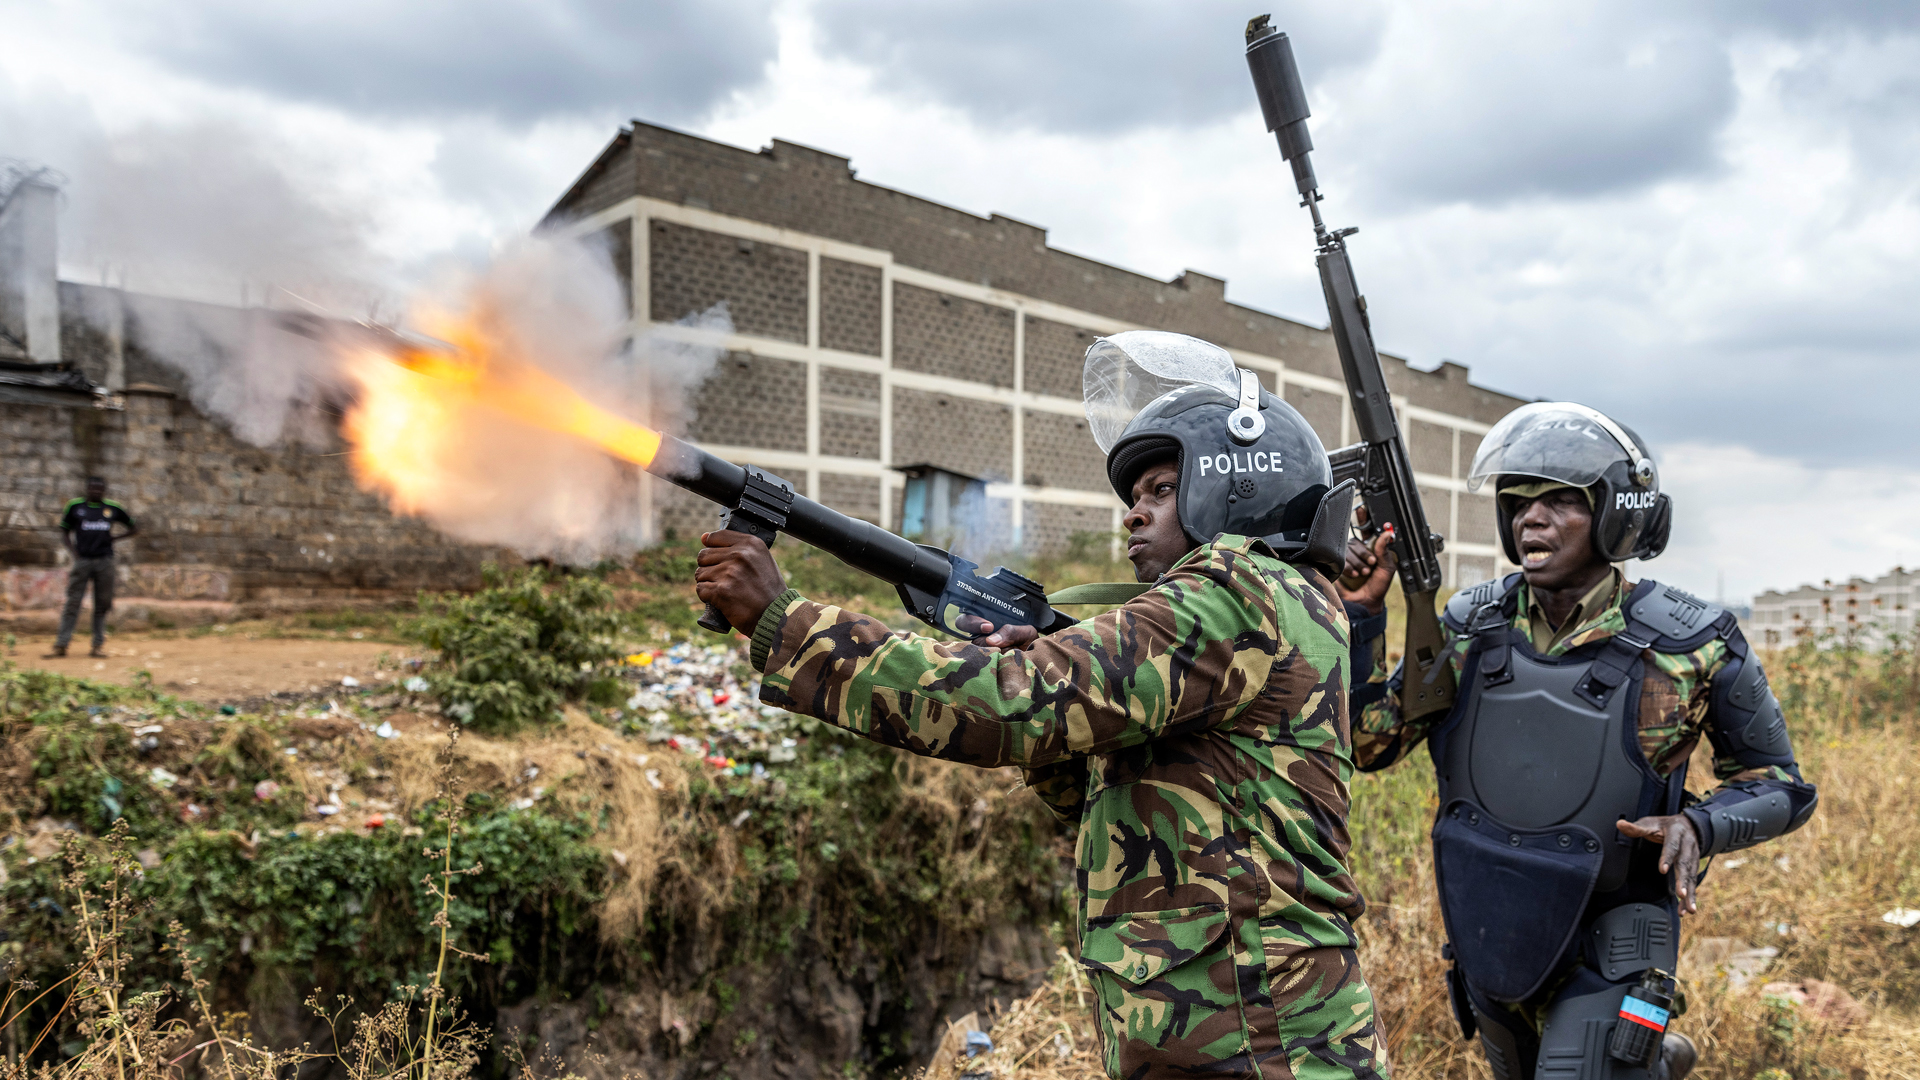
(1128, 371)
(1551, 440)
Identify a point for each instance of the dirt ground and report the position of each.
(218, 667)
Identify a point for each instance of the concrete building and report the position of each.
(876, 335)
(876, 330)
(1868, 611)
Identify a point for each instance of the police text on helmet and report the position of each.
(1255, 462)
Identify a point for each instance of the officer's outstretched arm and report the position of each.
(1192, 653)
(1761, 795)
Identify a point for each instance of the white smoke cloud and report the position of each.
(477, 474)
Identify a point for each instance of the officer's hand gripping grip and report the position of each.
(761, 513)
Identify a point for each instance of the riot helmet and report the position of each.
(1249, 463)
(1569, 443)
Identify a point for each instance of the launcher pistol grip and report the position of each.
(761, 513)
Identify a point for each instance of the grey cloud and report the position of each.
(1082, 67)
(1539, 104)
(516, 60)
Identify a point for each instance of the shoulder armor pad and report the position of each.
(1460, 608)
(1673, 613)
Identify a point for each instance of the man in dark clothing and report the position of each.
(87, 529)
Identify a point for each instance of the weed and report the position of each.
(513, 653)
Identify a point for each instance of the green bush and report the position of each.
(513, 652)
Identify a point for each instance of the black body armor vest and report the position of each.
(1538, 760)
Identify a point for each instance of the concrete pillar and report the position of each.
(29, 261)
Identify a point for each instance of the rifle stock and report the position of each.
(1379, 462)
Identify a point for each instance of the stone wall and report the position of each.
(219, 519)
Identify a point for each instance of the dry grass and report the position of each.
(1857, 734)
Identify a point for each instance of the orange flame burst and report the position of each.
(415, 403)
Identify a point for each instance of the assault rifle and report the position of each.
(1379, 462)
(937, 587)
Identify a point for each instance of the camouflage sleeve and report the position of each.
(1380, 737)
(1191, 653)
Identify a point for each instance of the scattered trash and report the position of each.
(641, 659)
(246, 944)
(147, 858)
(978, 1043)
(348, 680)
(229, 710)
(291, 751)
(326, 809)
(162, 778)
(1732, 864)
(740, 818)
(376, 821)
(1730, 958)
(266, 790)
(1823, 1001)
(150, 729)
(653, 777)
(385, 730)
(1905, 918)
(415, 685)
(619, 857)
(1783, 862)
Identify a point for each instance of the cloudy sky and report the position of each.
(1701, 218)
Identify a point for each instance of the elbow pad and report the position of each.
(1753, 813)
(1748, 725)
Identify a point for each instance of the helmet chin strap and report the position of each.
(1642, 469)
(1245, 424)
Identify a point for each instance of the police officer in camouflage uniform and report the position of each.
(1566, 845)
(1197, 736)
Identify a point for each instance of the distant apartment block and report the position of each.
(1871, 611)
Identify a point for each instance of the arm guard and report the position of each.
(1746, 726)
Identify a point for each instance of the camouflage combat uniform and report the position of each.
(1198, 737)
